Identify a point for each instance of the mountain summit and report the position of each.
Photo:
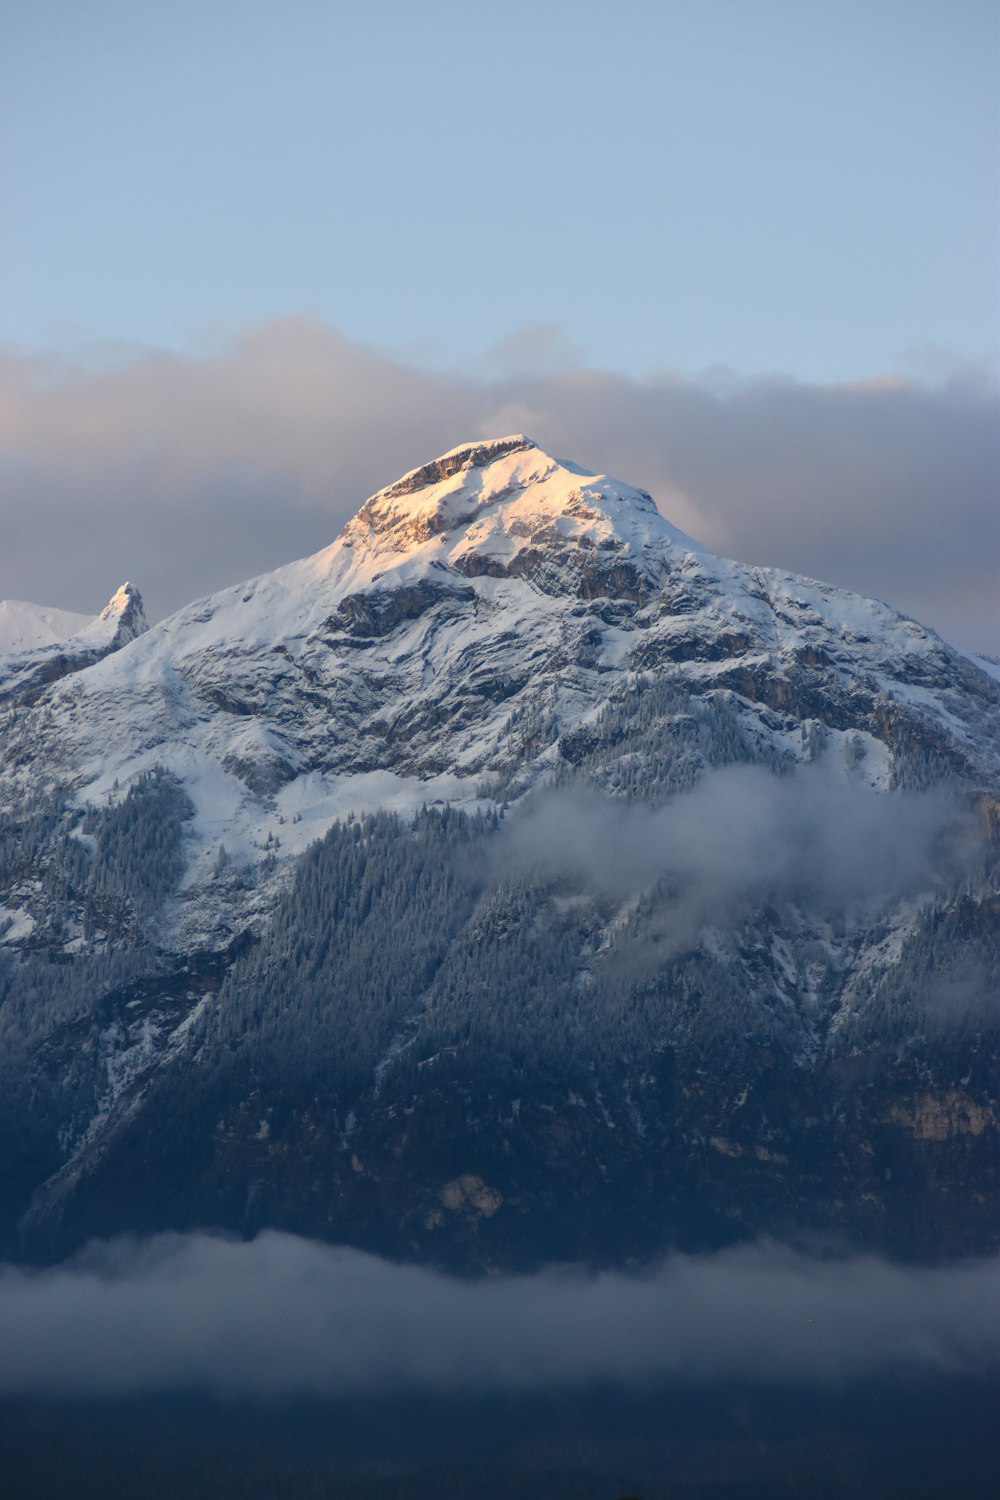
(488, 588)
(512, 879)
(499, 498)
(124, 613)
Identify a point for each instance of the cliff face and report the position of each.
(654, 900)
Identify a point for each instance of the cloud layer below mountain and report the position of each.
(189, 473)
(282, 1315)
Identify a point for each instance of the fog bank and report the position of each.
(282, 1315)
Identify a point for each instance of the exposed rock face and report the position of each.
(938, 1117)
(458, 461)
(123, 616)
(404, 1039)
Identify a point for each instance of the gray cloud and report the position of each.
(741, 835)
(286, 1315)
(189, 473)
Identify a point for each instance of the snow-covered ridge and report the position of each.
(476, 455)
(25, 626)
(482, 508)
(497, 497)
(76, 641)
(33, 627)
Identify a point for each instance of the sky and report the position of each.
(775, 187)
(258, 261)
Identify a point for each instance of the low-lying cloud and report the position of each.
(282, 1315)
(832, 844)
(263, 450)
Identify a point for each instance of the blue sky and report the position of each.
(765, 185)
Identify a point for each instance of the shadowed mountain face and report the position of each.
(512, 881)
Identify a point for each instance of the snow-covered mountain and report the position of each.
(491, 587)
(566, 691)
(24, 626)
(38, 646)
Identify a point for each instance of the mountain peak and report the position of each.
(120, 600)
(475, 455)
(500, 495)
(80, 642)
(124, 610)
(30, 627)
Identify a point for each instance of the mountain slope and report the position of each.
(570, 1028)
(25, 626)
(47, 645)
